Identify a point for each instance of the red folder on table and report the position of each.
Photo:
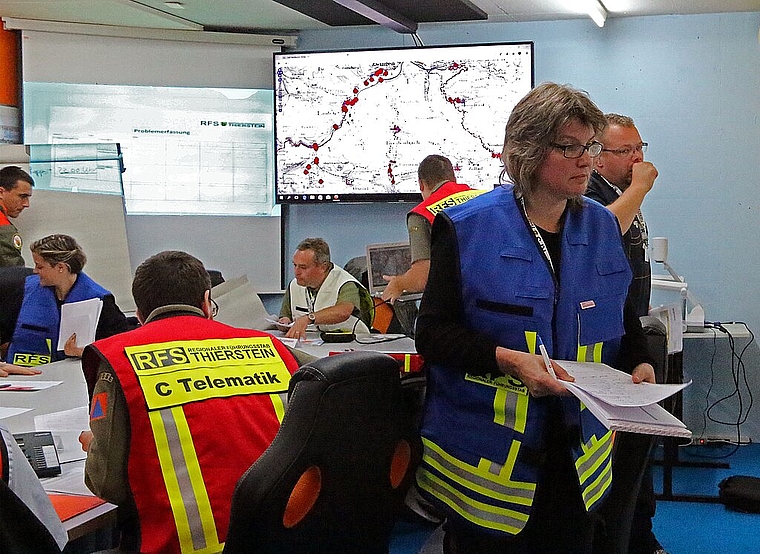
(70, 505)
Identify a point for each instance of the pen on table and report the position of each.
(5, 385)
(545, 356)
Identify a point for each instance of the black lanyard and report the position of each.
(539, 238)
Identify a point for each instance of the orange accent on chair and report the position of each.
(304, 496)
(348, 417)
(400, 462)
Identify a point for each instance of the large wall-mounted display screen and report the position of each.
(186, 150)
(353, 126)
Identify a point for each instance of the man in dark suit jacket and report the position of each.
(620, 180)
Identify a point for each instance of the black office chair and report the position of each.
(11, 295)
(339, 467)
(20, 529)
(396, 318)
(657, 343)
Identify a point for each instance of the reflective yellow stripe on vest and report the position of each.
(596, 452)
(184, 483)
(590, 353)
(510, 409)
(279, 401)
(488, 479)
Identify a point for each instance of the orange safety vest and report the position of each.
(447, 195)
(204, 400)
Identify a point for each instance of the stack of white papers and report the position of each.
(80, 318)
(622, 405)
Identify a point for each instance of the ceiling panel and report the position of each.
(271, 15)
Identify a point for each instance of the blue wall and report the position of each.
(692, 83)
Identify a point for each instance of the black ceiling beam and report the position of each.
(327, 12)
(400, 15)
(380, 14)
(437, 11)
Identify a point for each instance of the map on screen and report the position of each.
(355, 125)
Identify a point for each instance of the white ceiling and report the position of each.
(253, 15)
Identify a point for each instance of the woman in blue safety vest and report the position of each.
(58, 279)
(514, 461)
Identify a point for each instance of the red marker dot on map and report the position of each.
(308, 166)
(366, 83)
(321, 181)
(316, 161)
(336, 126)
(315, 146)
(344, 108)
(305, 171)
(356, 90)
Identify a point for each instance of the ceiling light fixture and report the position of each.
(594, 8)
(381, 14)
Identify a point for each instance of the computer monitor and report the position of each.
(393, 258)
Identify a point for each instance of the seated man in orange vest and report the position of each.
(440, 190)
(181, 407)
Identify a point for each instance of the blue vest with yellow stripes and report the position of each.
(35, 339)
(483, 435)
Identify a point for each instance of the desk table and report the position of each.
(70, 394)
(71, 482)
(707, 362)
(316, 347)
(401, 348)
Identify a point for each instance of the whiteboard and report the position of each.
(97, 223)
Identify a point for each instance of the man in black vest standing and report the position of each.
(620, 180)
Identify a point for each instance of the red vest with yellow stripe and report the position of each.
(204, 400)
(447, 195)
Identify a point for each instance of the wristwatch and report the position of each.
(312, 317)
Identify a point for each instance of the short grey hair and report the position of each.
(320, 248)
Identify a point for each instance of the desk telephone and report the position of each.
(39, 449)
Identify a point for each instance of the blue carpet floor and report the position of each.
(701, 528)
(681, 527)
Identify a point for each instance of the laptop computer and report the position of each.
(391, 258)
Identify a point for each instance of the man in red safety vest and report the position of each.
(181, 408)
